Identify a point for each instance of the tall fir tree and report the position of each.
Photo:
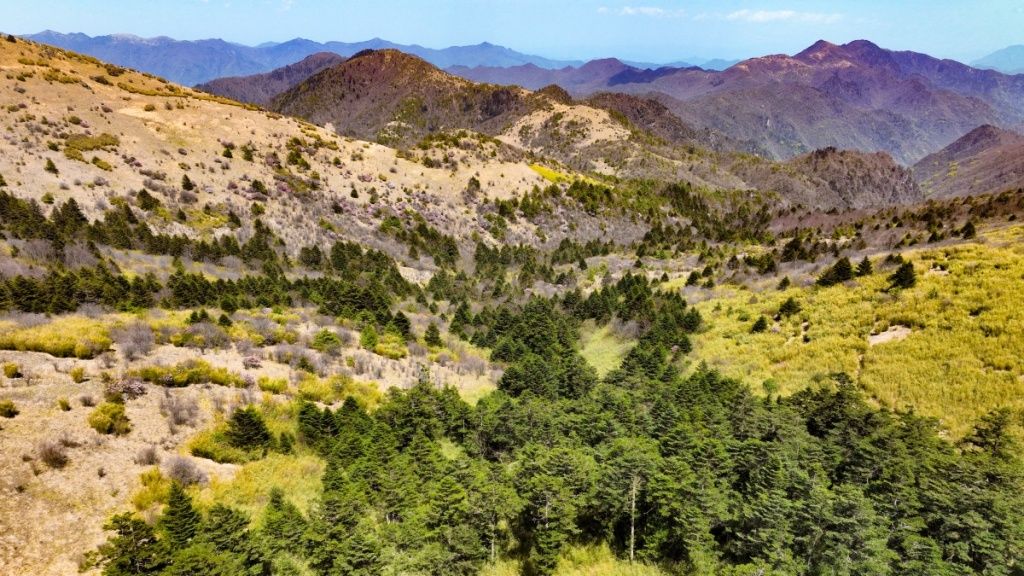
(180, 522)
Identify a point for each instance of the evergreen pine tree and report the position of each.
(864, 268)
(838, 273)
(760, 325)
(968, 231)
(789, 307)
(368, 338)
(134, 549)
(904, 277)
(400, 324)
(360, 552)
(433, 336)
(247, 430)
(283, 524)
(180, 521)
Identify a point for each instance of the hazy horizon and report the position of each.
(647, 31)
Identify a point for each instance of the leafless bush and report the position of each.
(78, 256)
(134, 340)
(266, 328)
(245, 347)
(360, 365)
(127, 387)
(10, 268)
(26, 320)
(184, 471)
(367, 365)
(155, 186)
(472, 364)
(108, 360)
(67, 441)
(87, 400)
(147, 456)
(287, 353)
(178, 409)
(417, 350)
(205, 335)
(163, 334)
(154, 174)
(233, 263)
(187, 197)
(39, 250)
(91, 310)
(251, 362)
(249, 396)
(217, 401)
(347, 337)
(625, 330)
(53, 454)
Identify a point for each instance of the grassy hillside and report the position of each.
(959, 356)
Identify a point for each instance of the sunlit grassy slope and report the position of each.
(962, 357)
(249, 490)
(602, 349)
(582, 561)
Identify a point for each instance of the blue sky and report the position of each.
(648, 30)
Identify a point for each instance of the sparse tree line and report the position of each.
(357, 280)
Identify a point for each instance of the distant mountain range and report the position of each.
(262, 88)
(399, 100)
(195, 62)
(1009, 60)
(854, 96)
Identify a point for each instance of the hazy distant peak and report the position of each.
(1009, 60)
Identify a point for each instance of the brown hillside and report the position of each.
(392, 97)
(985, 160)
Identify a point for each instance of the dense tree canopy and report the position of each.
(695, 473)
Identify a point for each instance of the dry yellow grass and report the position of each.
(249, 489)
(63, 336)
(582, 561)
(962, 357)
(602, 349)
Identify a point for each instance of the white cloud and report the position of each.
(649, 11)
(760, 16)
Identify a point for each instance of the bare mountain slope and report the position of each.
(263, 88)
(393, 97)
(985, 160)
(858, 179)
(853, 96)
(399, 99)
(109, 130)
